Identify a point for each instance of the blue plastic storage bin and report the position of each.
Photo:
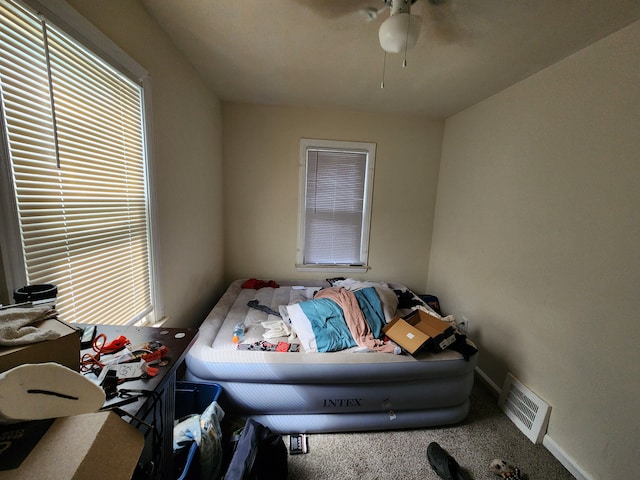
(192, 398)
(195, 397)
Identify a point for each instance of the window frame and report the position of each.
(367, 148)
(65, 18)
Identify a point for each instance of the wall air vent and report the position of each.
(524, 408)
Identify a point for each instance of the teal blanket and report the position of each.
(328, 323)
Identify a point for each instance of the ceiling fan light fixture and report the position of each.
(401, 30)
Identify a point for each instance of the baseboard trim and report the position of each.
(567, 461)
(488, 382)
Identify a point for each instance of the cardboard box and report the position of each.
(18, 439)
(64, 350)
(93, 446)
(419, 330)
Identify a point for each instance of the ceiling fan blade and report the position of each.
(444, 21)
(339, 8)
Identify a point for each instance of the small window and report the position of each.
(336, 180)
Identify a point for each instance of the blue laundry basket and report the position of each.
(192, 398)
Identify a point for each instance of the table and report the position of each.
(158, 405)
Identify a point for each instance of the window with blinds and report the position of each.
(336, 185)
(74, 150)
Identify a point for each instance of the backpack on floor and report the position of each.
(260, 454)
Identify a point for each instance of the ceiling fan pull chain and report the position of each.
(384, 64)
(406, 41)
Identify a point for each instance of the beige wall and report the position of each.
(536, 228)
(537, 242)
(261, 155)
(187, 145)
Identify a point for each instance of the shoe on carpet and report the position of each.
(444, 464)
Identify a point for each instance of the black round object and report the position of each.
(32, 293)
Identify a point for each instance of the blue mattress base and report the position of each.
(363, 422)
(305, 398)
(326, 408)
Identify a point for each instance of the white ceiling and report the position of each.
(324, 53)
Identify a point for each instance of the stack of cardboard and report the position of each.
(95, 445)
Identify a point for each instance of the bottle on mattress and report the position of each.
(238, 332)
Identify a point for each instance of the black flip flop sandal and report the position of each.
(444, 464)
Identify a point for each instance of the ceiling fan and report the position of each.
(438, 16)
(400, 31)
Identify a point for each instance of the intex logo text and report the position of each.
(342, 402)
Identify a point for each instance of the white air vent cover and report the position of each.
(528, 411)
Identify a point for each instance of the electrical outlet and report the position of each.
(463, 325)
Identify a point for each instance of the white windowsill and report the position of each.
(333, 268)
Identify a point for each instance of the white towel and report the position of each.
(16, 326)
(275, 329)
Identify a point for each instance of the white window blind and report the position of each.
(74, 141)
(337, 186)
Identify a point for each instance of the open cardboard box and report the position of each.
(419, 330)
(92, 446)
(64, 350)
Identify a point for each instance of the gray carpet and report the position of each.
(486, 434)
